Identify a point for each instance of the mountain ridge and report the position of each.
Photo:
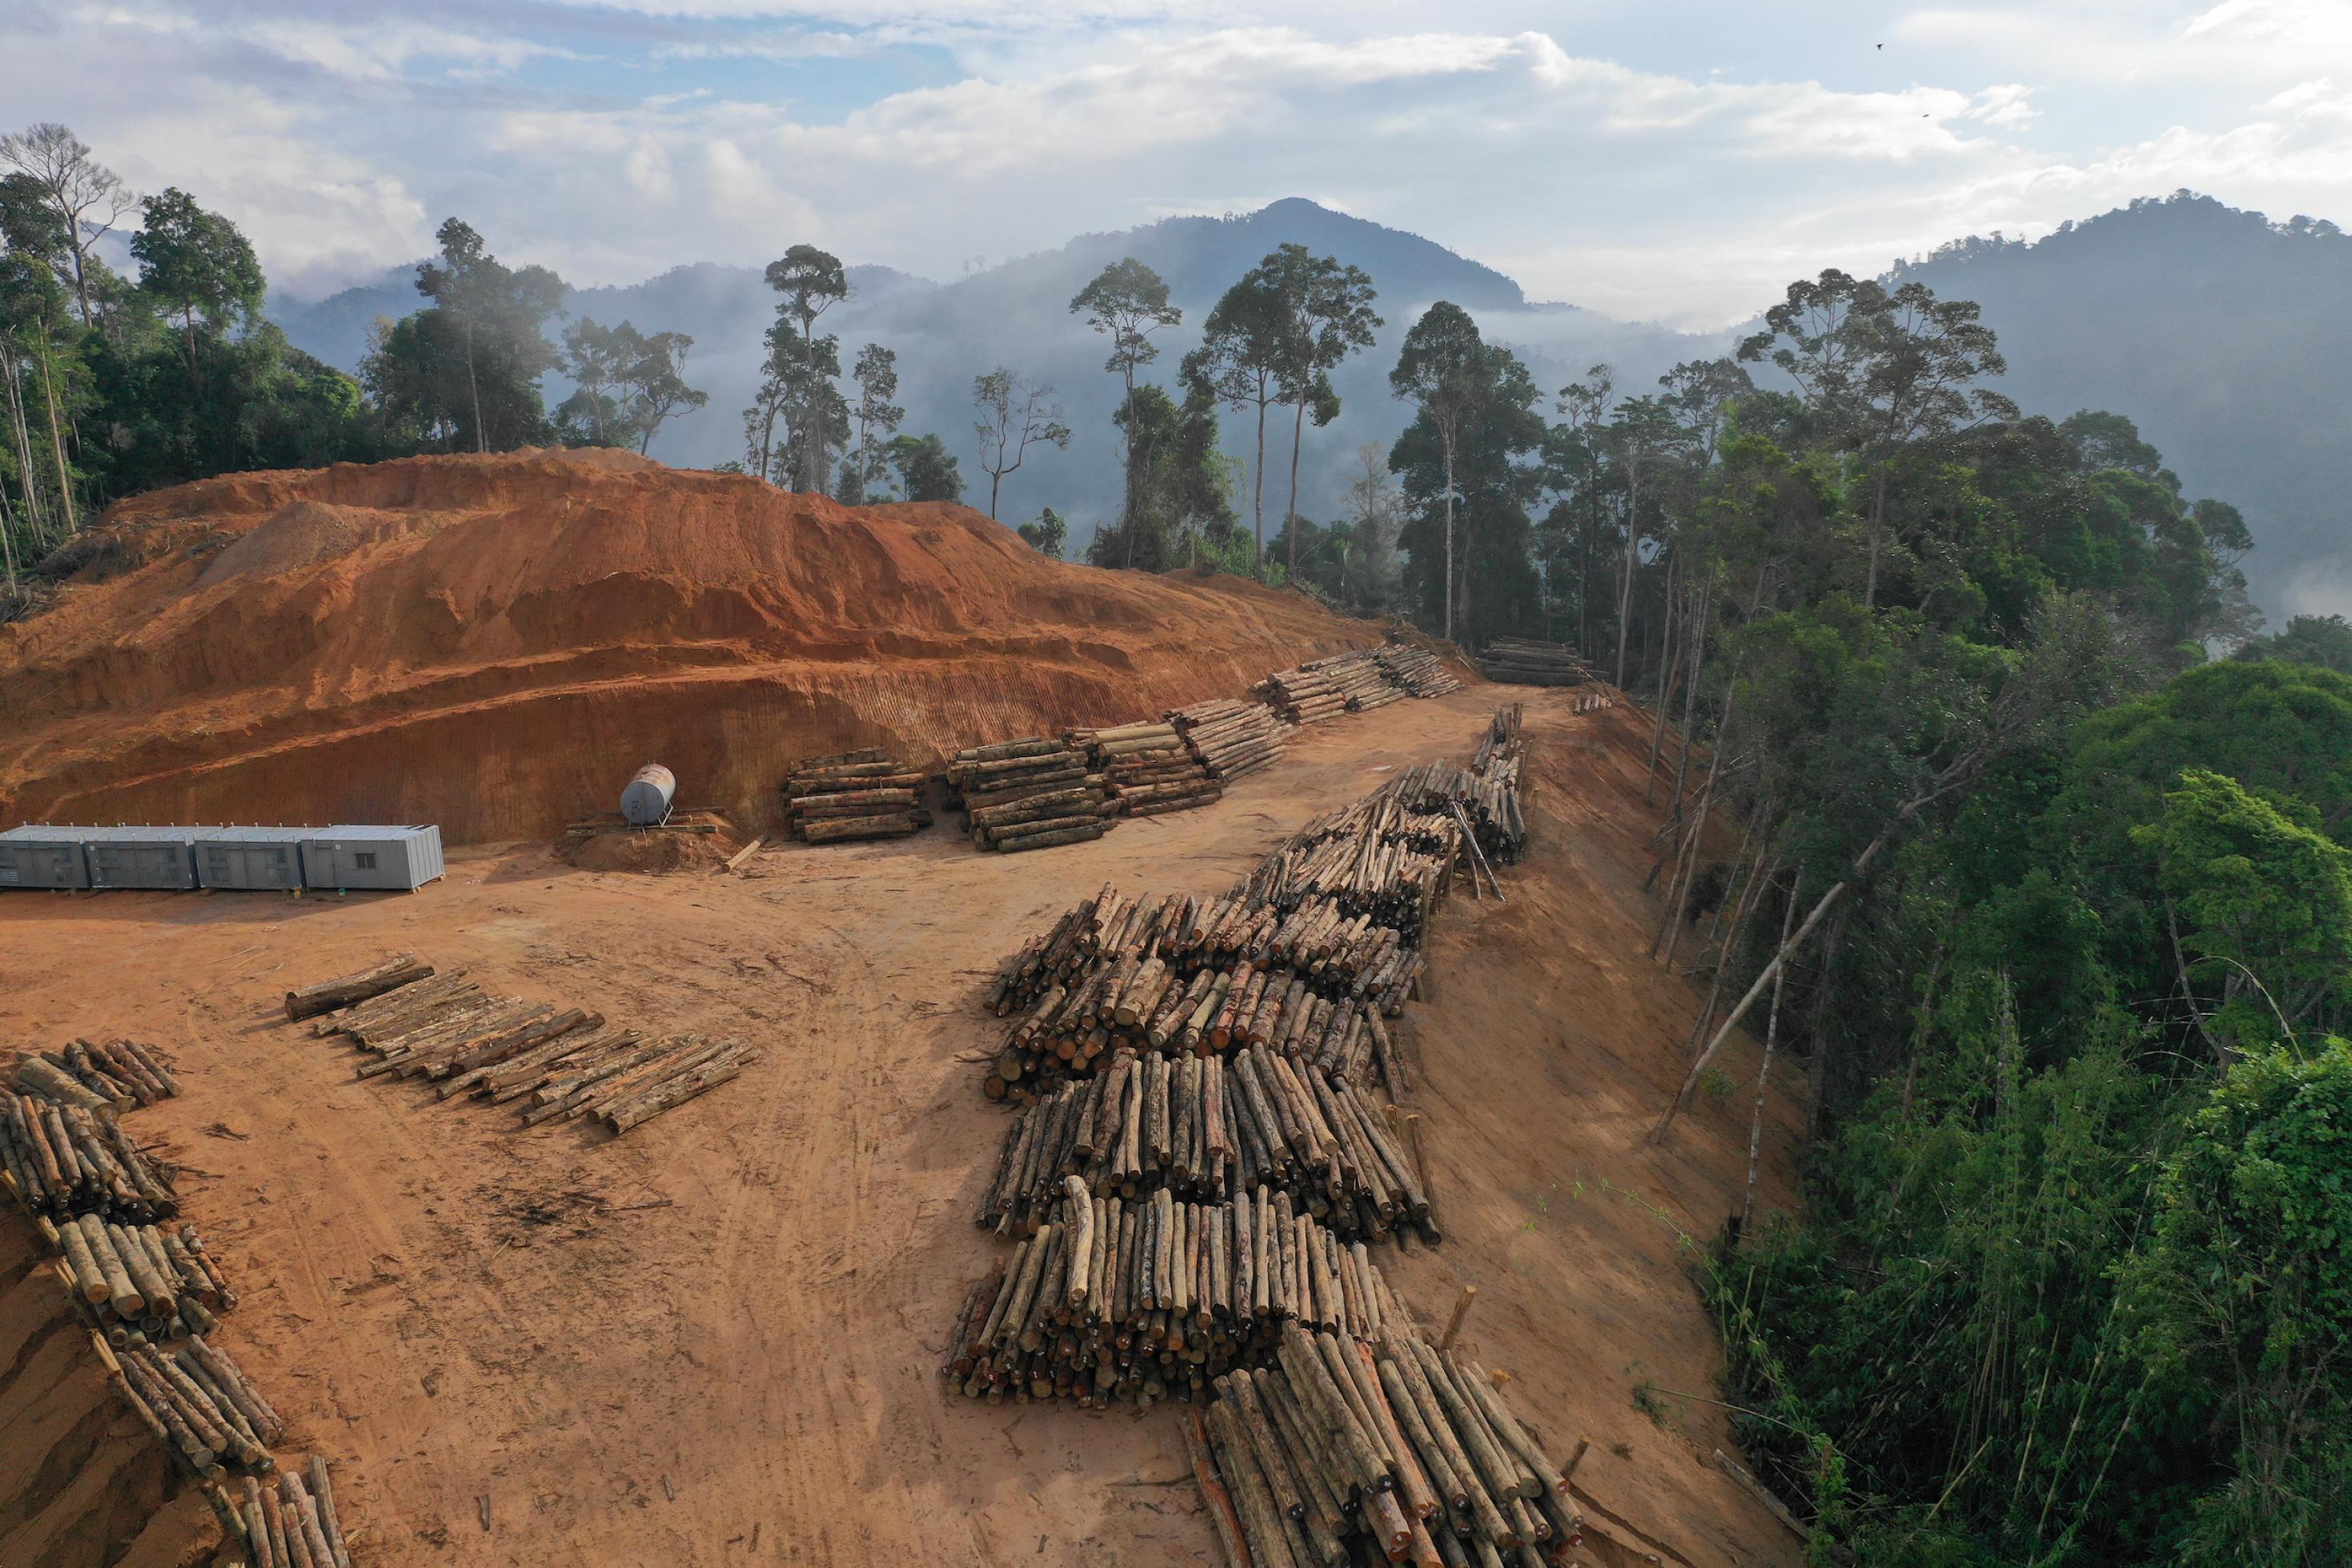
(2238, 405)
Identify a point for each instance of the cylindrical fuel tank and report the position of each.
(647, 799)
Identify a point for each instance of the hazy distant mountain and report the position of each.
(2226, 338)
(1016, 314)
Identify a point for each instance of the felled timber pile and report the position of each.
(546, 1064)
(681, 819)
(1416, 670)
(1230, 736)
(1029, 794)
(857, 795)
(65, 1152)
(149, 1295)
(1147, 768)
(1359, 677)
(1112, 1300)
(1379, 1449)
(1305, 696)
(1176, 974)
(1209, 1129)
(1520, 662)
(1195, 1198)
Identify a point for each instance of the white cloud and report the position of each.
(1684, 194)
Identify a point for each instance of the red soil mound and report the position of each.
(495, 644)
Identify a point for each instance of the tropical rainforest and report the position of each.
(1991, 808)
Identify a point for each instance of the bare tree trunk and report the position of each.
(1669, 665)
(1257, 473)
(1290, 521)
(1877, 533)
(24, 435)
(1625, 578)
(1449, 537)
(1129, 520)
(1681, 901)
(1764, 1072)
(58, 446)
(474, 389)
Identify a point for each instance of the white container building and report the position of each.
(248, 858)
(362, 856)
(155, 858)
(36, 855)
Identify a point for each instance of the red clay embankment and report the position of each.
(494, 643)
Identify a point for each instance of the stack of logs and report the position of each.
(1147, 768)
(1029, 794)
(65, 1158)
(1360, 678)
(1196, 1199)
(1417, 671)
(1520, 662)
(1305, 696)
(1177, 974)
(1230, 736)
(196, 1402)
(548, 1065)
(1210, 1129)
(1379, 1449)
(148, 1295)
(857, 795)
(1114, 1301)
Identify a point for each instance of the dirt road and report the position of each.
(714, 1340)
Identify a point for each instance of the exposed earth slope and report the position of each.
(495, 644)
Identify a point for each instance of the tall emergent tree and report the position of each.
(465, 373)
(1127, 302)
(812, 282)
(876, 418)
(1014, 414)
(1442, 371)
(86, 195)
(1324, 313)
(1891, 373)
(1240, 363)
(926, 469)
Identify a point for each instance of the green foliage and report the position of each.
(926, 469)
(1181, 504)
(1465, 466)
(627, 383)
(2241, 1306)
(463, 375)
(2262, 907)
(2324, 641)
(1047, 535)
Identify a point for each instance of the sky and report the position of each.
(1652, 159)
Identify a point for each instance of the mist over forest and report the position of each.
(2216, 330)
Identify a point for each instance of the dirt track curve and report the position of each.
(715, 1342)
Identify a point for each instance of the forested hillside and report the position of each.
(2223, 335)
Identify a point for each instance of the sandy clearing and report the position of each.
(714, 1340)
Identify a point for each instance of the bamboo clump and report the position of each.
(852, 795)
